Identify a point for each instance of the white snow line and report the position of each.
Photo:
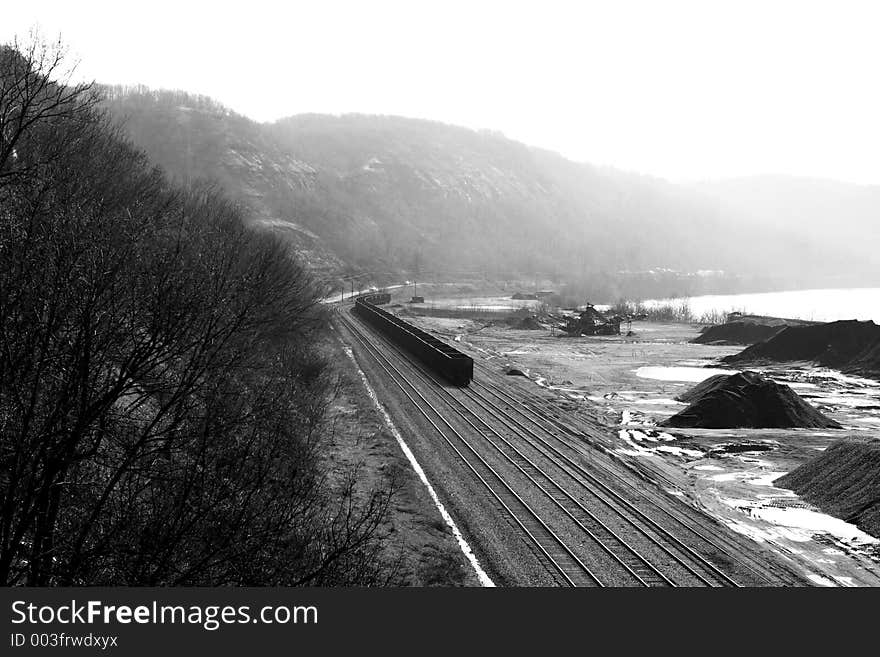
(484, 578)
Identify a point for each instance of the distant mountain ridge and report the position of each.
(396, 197)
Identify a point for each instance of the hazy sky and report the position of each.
(683, 90)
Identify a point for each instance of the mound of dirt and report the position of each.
(528, 324)
(839, 345)
(843, 481)
(746, 329)
(693, 394)
(867, 363)
(746, 400)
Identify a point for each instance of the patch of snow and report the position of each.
(686, 374)
(777, 494)
(747, 530)
(729, 476)
(813, 522)
(818, 579)
(630, 452)
(680, 451)
(767, 479)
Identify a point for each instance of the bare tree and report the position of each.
(35, 88)
(161, 405)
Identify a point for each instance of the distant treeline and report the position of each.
(162, 398)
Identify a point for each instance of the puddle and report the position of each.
(685, 374)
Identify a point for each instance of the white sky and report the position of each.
(679, 89)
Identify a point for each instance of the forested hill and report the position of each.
(395, 196)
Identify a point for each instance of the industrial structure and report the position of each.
(591, 322)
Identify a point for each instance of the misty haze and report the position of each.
(392, 296)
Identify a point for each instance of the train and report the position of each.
(375, 298)
(444, 360)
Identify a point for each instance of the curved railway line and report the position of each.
(557, 552)
(591, 525)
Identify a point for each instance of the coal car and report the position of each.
(445, 360)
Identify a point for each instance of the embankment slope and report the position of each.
(843, 481)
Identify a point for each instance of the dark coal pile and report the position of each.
(840, 345)
(693, 394)
(844, 481)
(746, 400)
(867, 363)
(736, 333)
(746, 329)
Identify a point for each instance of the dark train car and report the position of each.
(441, 358)
(376, 298)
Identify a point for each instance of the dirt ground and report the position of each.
(631, 382)
(421, 543)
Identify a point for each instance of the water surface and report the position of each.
(824, 305)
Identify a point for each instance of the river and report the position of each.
(825, 305)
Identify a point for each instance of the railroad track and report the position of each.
(668, 561)
(689, 559)
(558, 553)
(726, 551)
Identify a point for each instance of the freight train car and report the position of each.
(376, 298)
(439, 357)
